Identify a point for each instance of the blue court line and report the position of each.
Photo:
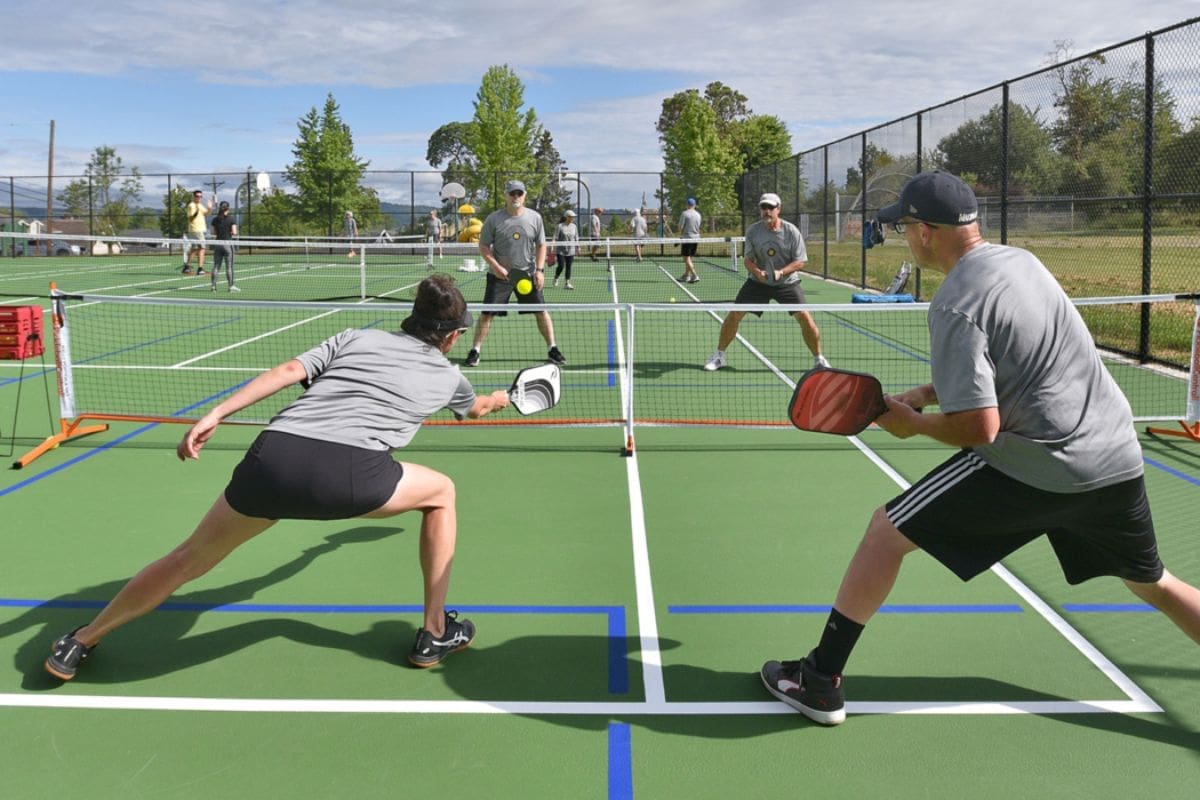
(612, 352)
(998, 608)
(882, 340)
(119, 440)
(1086, 608)
(1171, 471)
(618, 666)
(620, 761)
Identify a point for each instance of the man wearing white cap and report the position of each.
(513, 238)
(775, 254)
(689, 228)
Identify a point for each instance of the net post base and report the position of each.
(68, 432)
(1190, 431)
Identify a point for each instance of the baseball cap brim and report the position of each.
(890, 213)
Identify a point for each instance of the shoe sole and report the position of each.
(827, 718)
(435, 662)
(62, 676)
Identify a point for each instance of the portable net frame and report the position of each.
(154, 359)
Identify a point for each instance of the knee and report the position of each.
(883, 535)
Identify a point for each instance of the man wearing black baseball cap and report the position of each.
(1045, 444)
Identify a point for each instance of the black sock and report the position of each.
(840, 635)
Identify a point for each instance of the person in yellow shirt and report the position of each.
(196, 219)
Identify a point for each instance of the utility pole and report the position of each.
(215, 183)
(50, 189)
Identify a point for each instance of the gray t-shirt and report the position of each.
(373, 389)
(689, 224)
(638, 224)
(772, 250)
(514, 239)
(596, 231)
(566, 235)
(1003, 333)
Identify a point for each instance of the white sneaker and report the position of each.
(234, 289)
(569, 286)
(555, 284)
(820, 363)
(715, 363)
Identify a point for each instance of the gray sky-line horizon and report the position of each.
(221, 86)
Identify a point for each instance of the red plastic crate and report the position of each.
(21, 332)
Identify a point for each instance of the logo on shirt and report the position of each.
(770, 252)
(516, 236)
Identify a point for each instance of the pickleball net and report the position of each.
(167, 359)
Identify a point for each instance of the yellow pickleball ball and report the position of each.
(524, 286)
(672, 299)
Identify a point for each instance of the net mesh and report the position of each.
(627, 363)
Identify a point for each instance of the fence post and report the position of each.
(1005, 143)
(1147, 198)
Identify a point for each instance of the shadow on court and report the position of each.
(158, 644)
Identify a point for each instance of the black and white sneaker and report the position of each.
(66, 655)
(814, 694)
(556, 356)
(472, 358)
(429, 650)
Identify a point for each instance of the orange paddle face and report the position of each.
(836, 401)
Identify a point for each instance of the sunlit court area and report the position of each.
(631, 551)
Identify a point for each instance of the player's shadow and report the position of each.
(159, 643)
(658, 369)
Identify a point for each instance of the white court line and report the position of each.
(614, 709)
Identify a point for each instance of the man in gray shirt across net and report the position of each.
(513, 238)
(1047, 444)
(775, 254)
(689, 228)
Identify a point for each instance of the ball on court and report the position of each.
(524, 286)
(672, 299)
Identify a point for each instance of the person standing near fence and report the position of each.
(596, 231)
(433, 229)
(689, 228)
(195, 217)
(350, 231)
(224, 229)
(1045, 438)
(566, 238)
(514, 237)
(638, 226)
(775, 254)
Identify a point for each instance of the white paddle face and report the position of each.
(536, 389)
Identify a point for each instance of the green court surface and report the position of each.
(624, 606)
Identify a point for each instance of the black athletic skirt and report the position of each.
(284, 476)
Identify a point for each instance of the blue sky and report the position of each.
(220, 85)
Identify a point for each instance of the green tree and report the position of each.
(107, 191)
(552, 198)
(502, 136)
(977, 145)
(451, 144)
(326, 173)
(698, 162)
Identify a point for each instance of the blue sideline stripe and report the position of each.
(1189, 478)
(882, 340)
(1107, 607)
(120, 439)
(1000, 608)
(620, 761)
(612, 352)
(618, 666)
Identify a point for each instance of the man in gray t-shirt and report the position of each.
(689, 228)
(513, 238)
(775, 254)
(1046, 440)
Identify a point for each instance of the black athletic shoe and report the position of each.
(556, 356)
(472, 358)
(814, 694)
(429, 649)
(66, 655)
(186, 270)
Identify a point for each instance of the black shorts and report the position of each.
(498, 292)
(969, 516)
(284, 476)
(755, 292)
(688, 248)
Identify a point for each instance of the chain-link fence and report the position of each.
(1092, 163)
